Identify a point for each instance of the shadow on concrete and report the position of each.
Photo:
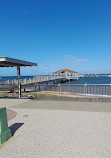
(15, 127)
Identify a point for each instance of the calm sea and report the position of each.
(82, 80)
(92, 80)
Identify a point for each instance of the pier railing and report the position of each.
(41, 79)
(38, 79)
(94, 89)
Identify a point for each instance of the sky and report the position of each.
(56, 34)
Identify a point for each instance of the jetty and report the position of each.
(60, 76)
(34, 82)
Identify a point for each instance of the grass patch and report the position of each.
(40, 95)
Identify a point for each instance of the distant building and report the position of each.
(65, 72)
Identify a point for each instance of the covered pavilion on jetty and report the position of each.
(10, 62)
(65, 72)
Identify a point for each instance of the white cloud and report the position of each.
(82, 60)
(68, 56)
(74, 59)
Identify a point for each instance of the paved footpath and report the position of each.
(50, 132)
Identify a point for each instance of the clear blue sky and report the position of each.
(56, 34)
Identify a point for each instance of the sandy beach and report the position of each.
(58, 129)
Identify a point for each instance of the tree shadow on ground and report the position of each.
(15, 127)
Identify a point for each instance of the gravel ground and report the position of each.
(59, 134)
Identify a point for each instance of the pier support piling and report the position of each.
(35, 88)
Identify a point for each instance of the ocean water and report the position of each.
(82, 80)
(92, 80)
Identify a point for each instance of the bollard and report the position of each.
(5, 132)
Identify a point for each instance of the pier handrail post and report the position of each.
(33, 80)
(29, 80)
(14, 81)
(85, 87)
(59, 85)
(25, 81)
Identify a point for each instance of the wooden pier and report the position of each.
(35, 81)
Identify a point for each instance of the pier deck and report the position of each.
(12, 85)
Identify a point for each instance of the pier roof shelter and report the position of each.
(67, 71)
(10, 62)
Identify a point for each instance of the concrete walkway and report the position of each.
(65, 105)
(54, 133)
(11, 114)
